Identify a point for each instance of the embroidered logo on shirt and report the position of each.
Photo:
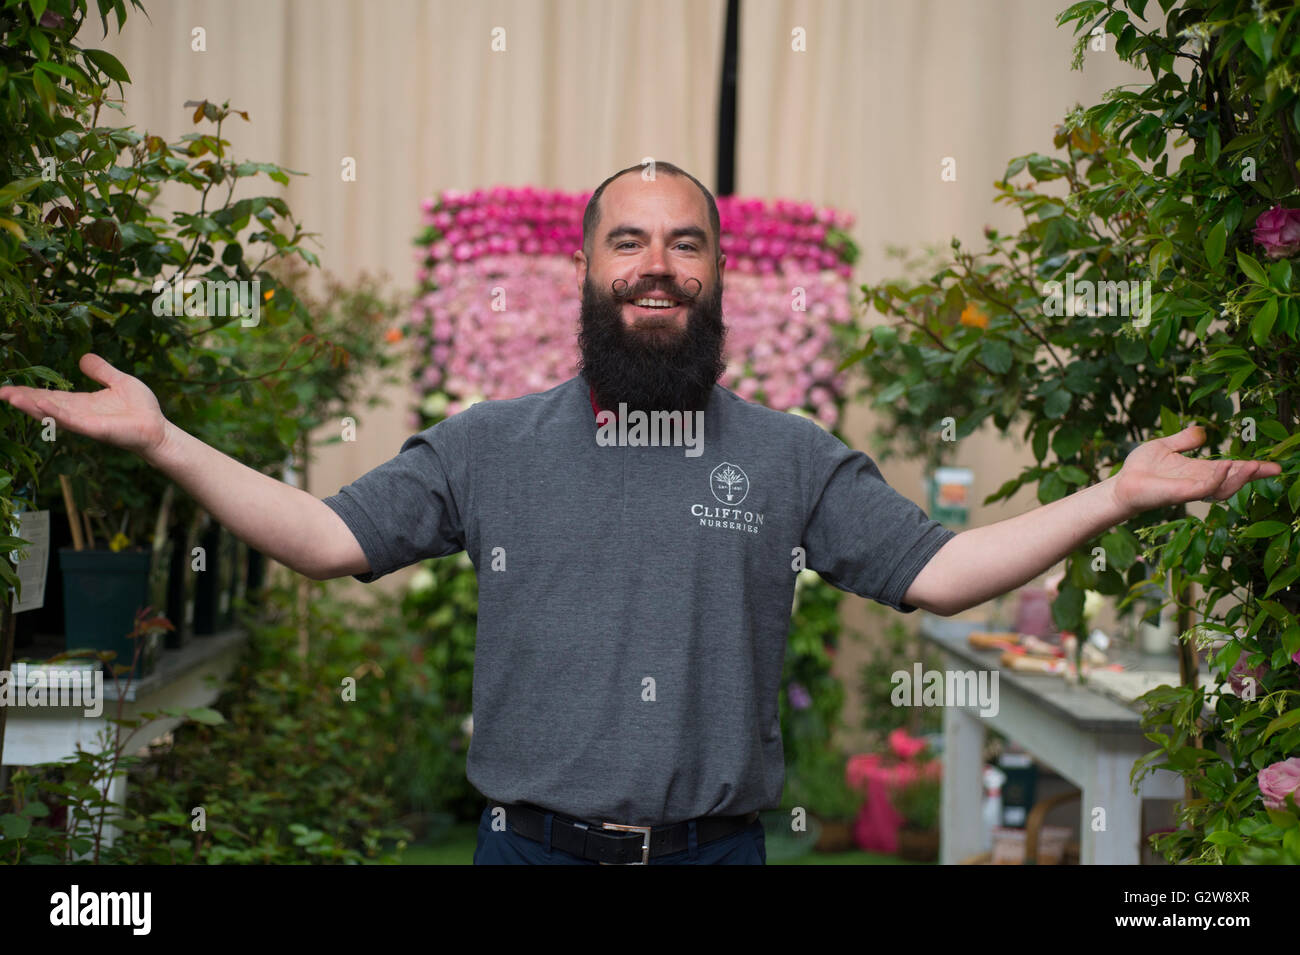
(730, 485)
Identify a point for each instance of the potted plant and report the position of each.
(816, 783)
(918, 802)
(108, 579)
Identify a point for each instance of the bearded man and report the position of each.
(634, 601)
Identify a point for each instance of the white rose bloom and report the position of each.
(421, 581)
(434, 404)
(1092, 603)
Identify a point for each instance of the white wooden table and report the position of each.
(1087, 737)
(186, 678)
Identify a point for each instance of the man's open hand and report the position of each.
(1155, 474)
(124, 413)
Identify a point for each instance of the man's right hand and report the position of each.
(125, 413)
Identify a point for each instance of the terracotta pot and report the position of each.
(918, 845)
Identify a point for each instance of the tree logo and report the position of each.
(729, 484)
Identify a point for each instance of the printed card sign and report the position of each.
(33, 526)
(949, 495)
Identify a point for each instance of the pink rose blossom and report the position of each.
(1239, 673)
(1277, 780)
(1278, 231)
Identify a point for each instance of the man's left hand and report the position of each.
(1155, 474)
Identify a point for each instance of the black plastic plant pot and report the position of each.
(214, 587)
(102, 593)
(180, 590)
(239, 576)
(227, 560)
(24, 629)
(160, 572)
(256, 576)
(207, 586)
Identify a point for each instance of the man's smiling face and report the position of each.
(651, 326)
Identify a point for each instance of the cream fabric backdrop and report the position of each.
(414, 92)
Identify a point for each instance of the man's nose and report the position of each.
(655, 261)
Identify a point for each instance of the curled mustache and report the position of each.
(645, 290)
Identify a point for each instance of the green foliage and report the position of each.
(347, 322)
(83, 256)
(919, 802)
(304, 766)
(1162, 184)
(815, 781)
(810, 704)
(62, 812)
(814, 633)
(895, 649)
(441, 606)
(307, 367)
(295, 762)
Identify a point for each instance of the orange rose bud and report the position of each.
(971, 315)
(393, 335)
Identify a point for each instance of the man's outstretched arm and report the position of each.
(285, 523)
(985, 562)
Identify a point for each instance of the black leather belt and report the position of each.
(613, 844)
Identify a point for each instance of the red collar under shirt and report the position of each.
(596, 409)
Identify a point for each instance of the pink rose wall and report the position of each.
(497, 311)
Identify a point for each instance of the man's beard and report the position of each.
(659, 369)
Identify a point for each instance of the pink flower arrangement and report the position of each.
(1278, 779)
(905, 747)
(497, 312)
(1278, 231)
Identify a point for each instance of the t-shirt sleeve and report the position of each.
(414, 505)
(863, 536)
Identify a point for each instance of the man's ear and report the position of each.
(580, 268)
(722, 261)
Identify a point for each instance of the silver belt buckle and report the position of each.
(645, 841)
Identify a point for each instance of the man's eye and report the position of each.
(688, 245)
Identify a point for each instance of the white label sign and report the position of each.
(35, 527)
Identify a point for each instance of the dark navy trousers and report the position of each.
(507, 847)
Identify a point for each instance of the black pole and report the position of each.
(727, 105)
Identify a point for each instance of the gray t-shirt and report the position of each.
(631, 638)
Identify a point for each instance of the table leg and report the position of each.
(117, 796)
(961, 828)
(1121, 813)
